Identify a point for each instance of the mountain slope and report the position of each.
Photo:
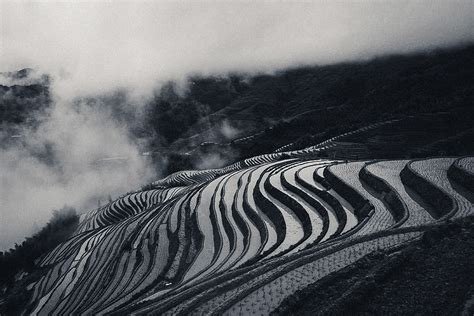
(431, 93)
(245, 238)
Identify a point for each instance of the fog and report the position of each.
(229, 131)
(77, 157)
(91, 49)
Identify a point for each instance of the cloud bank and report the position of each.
(78, 156)
(92, 49)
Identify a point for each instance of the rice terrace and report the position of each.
(313, 186)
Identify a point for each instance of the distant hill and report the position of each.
(24, 96)
(220, 120)
(307, 105)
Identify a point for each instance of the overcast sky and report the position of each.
(103, 45)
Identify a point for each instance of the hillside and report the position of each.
(353, 180)
(224, 119)
(385, 281)
(244, 238)
(236, 117)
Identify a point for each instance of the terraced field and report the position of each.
(241, 239)
(414, 213)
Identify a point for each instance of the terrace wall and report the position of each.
(389, 195)
(442, 203)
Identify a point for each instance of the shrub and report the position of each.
(23, 256)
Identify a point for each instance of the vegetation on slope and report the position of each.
(308, 105)
(431, 276)
(18, 262)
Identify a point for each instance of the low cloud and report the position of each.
(78, 155)
(213, 160)
(93, 47)
(229, 131)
